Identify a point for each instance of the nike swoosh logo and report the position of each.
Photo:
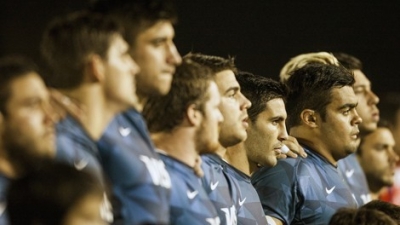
(328, 191)
(365, 198)
(349, 173)
(191, 195)
(2, 208)
(124, 131)
(81, 164)
(214, 185)
(241, 202)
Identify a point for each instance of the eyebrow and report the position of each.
(235, 89)
(360, 85)
(159, 39)
(280, 118)
(348, 105)
(384, 145)
(363, 85)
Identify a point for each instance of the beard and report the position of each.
(203, 144)
(376, 183)
(22, 153)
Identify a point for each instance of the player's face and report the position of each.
(208, 132)
(233, 107)
(29, 122)
(157, 56)
(396, 133)
(266, 134)
(367, 101)
(86, 211)
(120, 72)
(339, 132)
(377, 157)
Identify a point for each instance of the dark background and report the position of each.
(262, 34)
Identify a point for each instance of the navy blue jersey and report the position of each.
(350, 169)
(222, 189)
(76, 148)
(4, 182)
(302, 191)
(252, 212)
(189, 202)
(138, 176)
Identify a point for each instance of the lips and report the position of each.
(245, 122)
(375, 117)
(169, 71)
(278, 146)
(355, 135)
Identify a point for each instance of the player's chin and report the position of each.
(163, 89)
(164, 83)
(271, 161)
(352, 148)
(369, 126)
(242, 134)
(389, 181)
(47, 149)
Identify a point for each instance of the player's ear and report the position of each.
(309, 118)
(193, 115)
(94, 69)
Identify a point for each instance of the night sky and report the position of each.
(262, 34)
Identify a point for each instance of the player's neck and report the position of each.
(141, 102)
(374, 189)
(221, 151)
(98, 110)
(237, 157)
(178, 144)
(374, 195)
(311, 139)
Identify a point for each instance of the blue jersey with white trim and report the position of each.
(350, 169)
(4, 182)
(76, 148)
(189, 201)
(302, 191)
(222, 189)
(252, 212)
(138, 176)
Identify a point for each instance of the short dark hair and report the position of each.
(343, 216)
(215, 63)
(12, 67)
(310, 87)
(348, 61)
(259, 90)
(69, 40)
(389, 209)
(137, 15)
(361, 216)
(189, 86)
(45, 195)
(372, 217)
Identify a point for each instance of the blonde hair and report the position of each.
(304, 59)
